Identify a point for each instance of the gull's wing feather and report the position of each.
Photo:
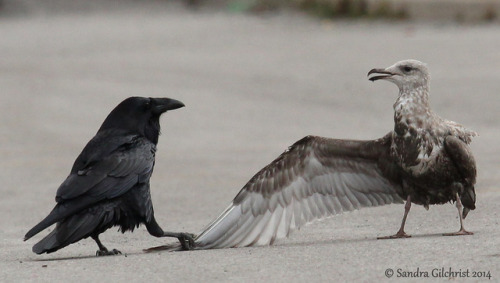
(315, 178)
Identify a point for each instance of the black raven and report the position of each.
(109, 182)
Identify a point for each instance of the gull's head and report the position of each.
(406, 74)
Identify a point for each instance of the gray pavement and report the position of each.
(252, 86)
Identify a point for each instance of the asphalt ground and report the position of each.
(252, 86)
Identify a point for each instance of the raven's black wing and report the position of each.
(110, 170)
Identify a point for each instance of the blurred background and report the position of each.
(255, 75)
(441, 10)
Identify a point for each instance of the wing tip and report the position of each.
(30, 234)
(169, 247)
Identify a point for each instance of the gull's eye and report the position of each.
(407, 69)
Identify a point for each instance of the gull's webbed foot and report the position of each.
(462, 232)
(399, 234)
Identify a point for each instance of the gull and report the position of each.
(425, 160)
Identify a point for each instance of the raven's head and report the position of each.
(140, 115)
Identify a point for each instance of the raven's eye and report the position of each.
(407, 69)
(146, 107)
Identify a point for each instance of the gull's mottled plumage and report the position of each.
(436, 162)
(425, 160)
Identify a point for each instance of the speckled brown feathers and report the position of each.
(425, 160)
(433, 153)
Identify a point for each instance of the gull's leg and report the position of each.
(401, 233)
(462, 230)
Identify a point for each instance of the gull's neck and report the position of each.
(414, 97)
(412, 108)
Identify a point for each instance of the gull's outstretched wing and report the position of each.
(315, 178)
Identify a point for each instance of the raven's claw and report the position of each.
(187, 241)
(106, 252)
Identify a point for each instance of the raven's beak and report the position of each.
(165, 104)
(384, 74)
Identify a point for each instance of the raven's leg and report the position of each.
(186, 239)
(401, 233)
(462, 230)
(102, 249)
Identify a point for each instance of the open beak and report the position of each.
(383, 74)
(165, 104)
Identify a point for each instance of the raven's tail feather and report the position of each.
(49, 220)
(60, 212)
(76, 227)
(48, 244)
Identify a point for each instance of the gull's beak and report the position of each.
(384, 74)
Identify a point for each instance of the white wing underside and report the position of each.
(316, 192)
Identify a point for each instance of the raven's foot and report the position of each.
(462, 232)
(102, 249)
(399, 234)
(187, 241)
(105, 252)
